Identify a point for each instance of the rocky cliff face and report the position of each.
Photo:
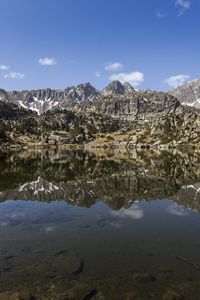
(189, 93)
(133, 106)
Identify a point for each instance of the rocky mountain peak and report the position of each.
(117, 88)
(82, 92)
(87, 91)
(188, 94)
(128, 88)
(3, 95)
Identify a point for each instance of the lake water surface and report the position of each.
(79, 225)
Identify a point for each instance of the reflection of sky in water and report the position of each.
(13, 213)
(141, 236)
(48, 217)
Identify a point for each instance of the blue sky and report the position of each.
(57, 43)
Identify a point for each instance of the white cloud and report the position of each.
(46, 61)
(98, 74)
(183, 5)
(4, 67)
(135, 78)
(176, 80)
(114, 66)
(14, 75)
(134, 212)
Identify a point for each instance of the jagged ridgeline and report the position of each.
(116, 115)
(43, 100)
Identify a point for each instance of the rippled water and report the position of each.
(110, 225)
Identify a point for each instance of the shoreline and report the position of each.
(102, 145)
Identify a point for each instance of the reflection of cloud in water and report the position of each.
(17, 216)
(9, 219)
(134, 212)
(177, 210)
(108, 222)
(3, 224)
(49, 229)
(114, 224)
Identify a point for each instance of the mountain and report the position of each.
(117, 115)
(117, 88)
(188, 94)
(43, 100)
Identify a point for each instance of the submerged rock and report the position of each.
(82, 291)
(143, 277)
(172, 295)
(10, 296)
(67, 264)
(132, 296)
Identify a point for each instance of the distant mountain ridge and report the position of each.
(42, 100)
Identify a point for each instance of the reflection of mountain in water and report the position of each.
(189, 196)
(81, 178)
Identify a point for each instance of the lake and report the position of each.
(99, 225)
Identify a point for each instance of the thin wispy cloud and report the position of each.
(176, 80)
(160, 15)
(14, 75)
(4, 67)
(116, 66)
(98, 74)
(134, 78)
(183, 6)
(46, 61)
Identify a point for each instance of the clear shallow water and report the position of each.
(74, 225)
